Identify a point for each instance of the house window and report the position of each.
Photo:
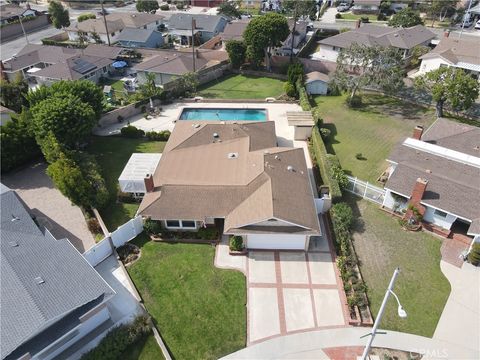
(335, 48)
(440, 213)
(181, 224)
(156, 22)
(104, 69)
(190, 224)
(173, 223)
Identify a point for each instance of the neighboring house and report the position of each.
(459, 53)
(51, 297)
(169, 65)
(298, 39)
(370, 35)
(366, 6)
(5, 115)
(438, 172)
(234, 30)
(206, 3)
(11, 12)
(140, 38)
(233, 174)
(206, 26)
(43, 64)
(316, 83)
(116, 23)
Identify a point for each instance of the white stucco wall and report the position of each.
(431, 64)
(327, 52)
(444, 222)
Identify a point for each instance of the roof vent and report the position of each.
(14, 218)
(277, 157)
(216, 136)
(290, 168)
(428, 171)
(39, 280)
(196, 126)
(232, 155)
(13, 243)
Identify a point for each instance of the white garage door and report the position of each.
(276, 241)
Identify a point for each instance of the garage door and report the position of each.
(276, 241)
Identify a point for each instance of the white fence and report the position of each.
(365, 190)
(123, 234)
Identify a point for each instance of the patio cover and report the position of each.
(33, 70)
(139, 165)
(180, 32)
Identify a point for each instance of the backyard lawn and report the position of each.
(381, 245)
(199, 310)
(242, 87)
(372, 130)
(144, 349)
(112, 154)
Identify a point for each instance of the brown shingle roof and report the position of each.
(197, 179)
(316, 75)
(234, 30)
(456, 50)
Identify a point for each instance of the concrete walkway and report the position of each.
(460, 320)
(329, 16)
(311, 345)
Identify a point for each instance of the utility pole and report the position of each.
(23, 29)
(105, 22)
(463, 22)
(194, 25)
(293, 30)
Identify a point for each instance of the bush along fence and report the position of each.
(347, 263)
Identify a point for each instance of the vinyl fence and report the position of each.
(365, 190)
(123, 234)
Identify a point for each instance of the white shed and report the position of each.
(132, 178)
(316, 83)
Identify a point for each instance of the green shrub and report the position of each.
(325, 133)
(295, 73)
(112, 346)
(158, 136)
(289, 89)
(86, 16)
(338, 16)
(381, 17)
(365, 19)
(303, 96)
(152, 226)
(126, 197)
(355, 300)
(355, 101)
(131, 131)
(337, 172)
(474, 254)
(342, 215)
(164, 7)
(208, 233)
(317, 117)
(236, 243)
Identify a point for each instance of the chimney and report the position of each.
(417, 195)
(417, 132)
(148, 180)
(446, 33)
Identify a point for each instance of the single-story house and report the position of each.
(438, 172)
(139, 166)
(316, 83)
(206, 26)
(206, 3)
(234, 30)
(116, 23)
(5, 115)
(298, 39)
(140, 38)
(404, 39)
(51, 297)
(366, 6)
(11, 12)
(234, 174)
(452, 51)
(44, 64)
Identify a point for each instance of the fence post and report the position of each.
(365, 192)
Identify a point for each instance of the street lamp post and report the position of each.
(401, 312)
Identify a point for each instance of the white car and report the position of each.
(477, 25)
(343, 7)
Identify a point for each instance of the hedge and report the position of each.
(325, 161)
(64, 44)
(303, 96)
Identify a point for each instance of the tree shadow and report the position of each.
(388, 105)
(353, 201)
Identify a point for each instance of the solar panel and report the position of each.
(83, 66)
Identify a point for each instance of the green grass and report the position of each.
(381, 246)
(242, 87)
(112, 154)
(199, 310)
(349, 16)
(372, 130)
(144, 349)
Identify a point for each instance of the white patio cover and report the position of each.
(139, 165)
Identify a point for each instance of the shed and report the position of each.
(303, 122)
(139, 166)
(316, 83)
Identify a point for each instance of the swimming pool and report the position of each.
(224, 114)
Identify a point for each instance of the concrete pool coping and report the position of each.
(267, 118)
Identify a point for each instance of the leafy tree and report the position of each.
(66, 116)
(436, 9)
(295, 72)
(147, 6)
(263, 34)
(449, 86)
(96, 37)
(18, 145)
(188, 83)
(405, 18)
(229, 9)
(301, 9)
(149, 89)
(86, 90)
(417, 52)
(83, 17)
(51, 148)
(59, 15)
(361, 66)
(13, 94)
(236, 50)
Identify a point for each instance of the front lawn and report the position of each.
(350, 16)
(199, 310)
(242, 87)
(372, 130)
(381, 246)
(112, 154)
(144, 349)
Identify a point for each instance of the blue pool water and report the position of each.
(224, 114)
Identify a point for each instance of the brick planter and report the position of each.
(238, 253)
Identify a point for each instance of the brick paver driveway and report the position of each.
(292, 292)
(50, 207)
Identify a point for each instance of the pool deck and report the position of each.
(276, 112)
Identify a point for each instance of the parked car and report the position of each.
(477, 25)
(103, 12)
(343, 7)
(467, 21)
